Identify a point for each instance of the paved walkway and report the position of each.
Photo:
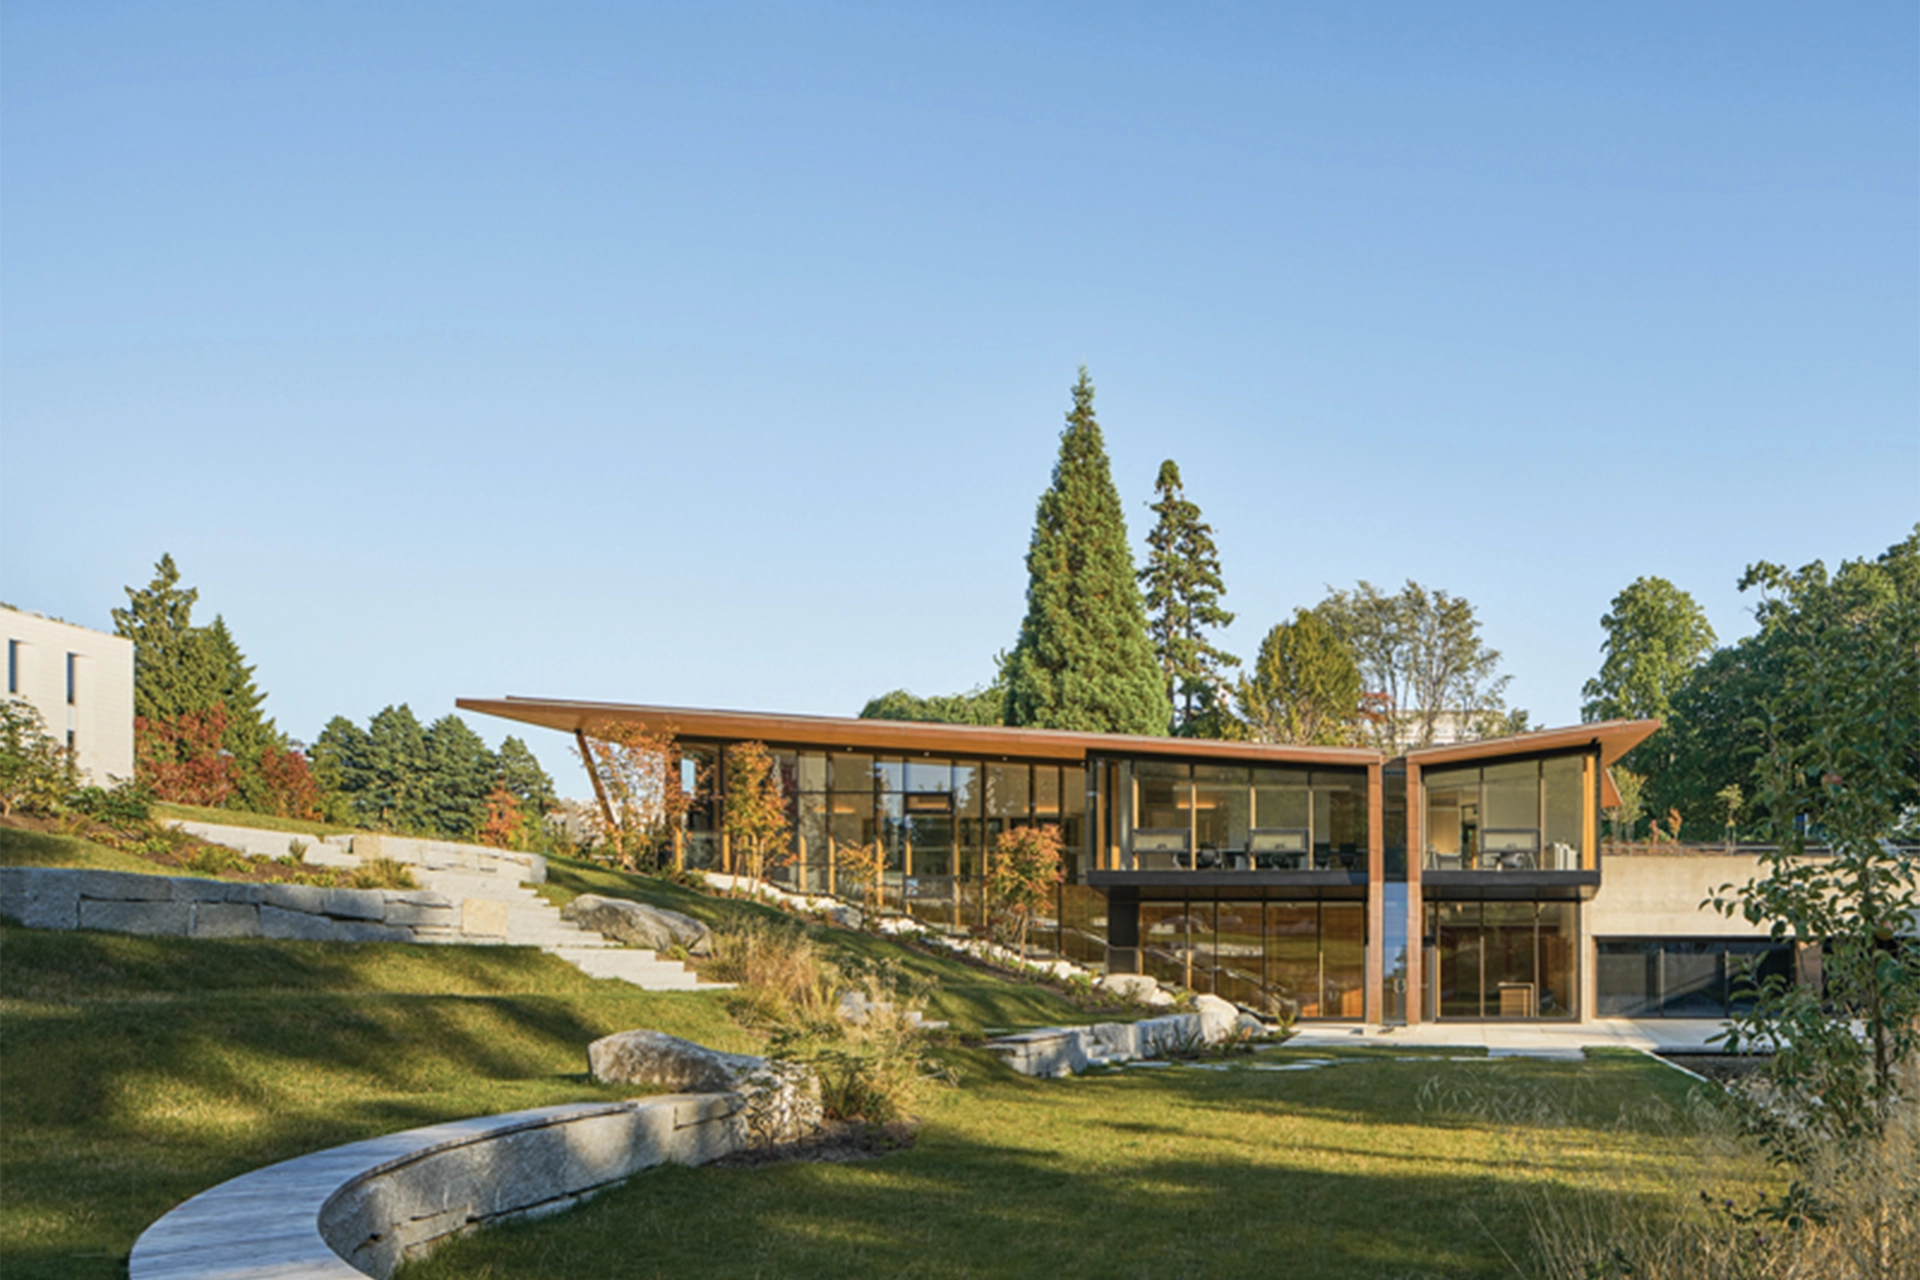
(1530, 1039)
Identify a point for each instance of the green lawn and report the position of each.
(42, 849)
(1173, 1172)
(138, 1071)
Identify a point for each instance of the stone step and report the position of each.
(641, 968)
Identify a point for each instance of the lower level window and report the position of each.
(1684, 977)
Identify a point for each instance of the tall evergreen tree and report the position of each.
(1305, 686)
(463, 771)
(174, 671)
(1083, 660)
(397, 795)
(525, 780)
(1183, 590)
(250, 733)
(340, 766)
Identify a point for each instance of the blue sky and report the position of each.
(716, 354)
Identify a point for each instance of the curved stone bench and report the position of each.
(357, 1210)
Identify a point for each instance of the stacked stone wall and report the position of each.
(186, 907)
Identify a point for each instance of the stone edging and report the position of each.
(187, 907)
(358, 1210)
(1065, 1051)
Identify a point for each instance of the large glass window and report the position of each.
(1236, 818)
(1684, 977)
(929, 777)
(1517, 815)
(1501, 959)
(1222, 815)
(851, 772)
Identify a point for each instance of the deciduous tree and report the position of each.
(1420, 652)
(184, 759)
(641, 780)
(755, 810)
(1655, 635)
(1083, 660)
(1021, 878)
(34, 769)
(1183, 588)
(1840, 768)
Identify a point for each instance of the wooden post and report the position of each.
(679, 849)
(1371, 1002)
(1416, 908)
(599, 787)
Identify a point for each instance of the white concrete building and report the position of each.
(81, 681)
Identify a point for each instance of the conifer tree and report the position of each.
(174, 671)
(250, 734)
(1083, 660)
(1305, 687)
(1183, 590)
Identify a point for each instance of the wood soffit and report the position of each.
(903, 736)
(1614, 737)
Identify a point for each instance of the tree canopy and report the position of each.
(1183, 589)
(1083, 660)
(1655, 636)
(1421, 656)
(1305, 688)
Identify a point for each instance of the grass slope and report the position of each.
(43, 849)
(970, 998)
(1338, 1172)
(138, 1071)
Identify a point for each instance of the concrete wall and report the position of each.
(400, 1211)
(184, 907)
(1661, 897)
(372, 1204)
(100, 715)
(1647, 896)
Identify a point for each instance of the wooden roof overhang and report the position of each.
(901, 737)
(1614, 738)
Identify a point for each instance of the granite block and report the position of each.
(277, 922)
(225, 920)
(145, 917)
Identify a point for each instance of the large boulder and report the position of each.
(639, 925)
(780, 1100)
(1137, 987)
(1219, 1019)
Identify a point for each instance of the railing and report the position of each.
(1557, 856)
(1207, 859)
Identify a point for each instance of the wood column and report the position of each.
(1376, 892)
(599, 787)
(1416, 909)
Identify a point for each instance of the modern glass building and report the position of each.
(1450, 883)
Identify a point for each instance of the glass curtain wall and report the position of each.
(1501, 959)
(1206, 817)
(1517, 815)
(1303, 958)
(935, 821)
(1684, 977)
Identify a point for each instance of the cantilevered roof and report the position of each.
(897, 736)
(1614, 738)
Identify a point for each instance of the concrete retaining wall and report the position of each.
(372, 1204)
(1064, 1051)
(181, 906)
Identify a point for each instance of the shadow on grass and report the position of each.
(186, 1063)
(1151, 1175)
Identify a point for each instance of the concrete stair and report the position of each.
(531, 921)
